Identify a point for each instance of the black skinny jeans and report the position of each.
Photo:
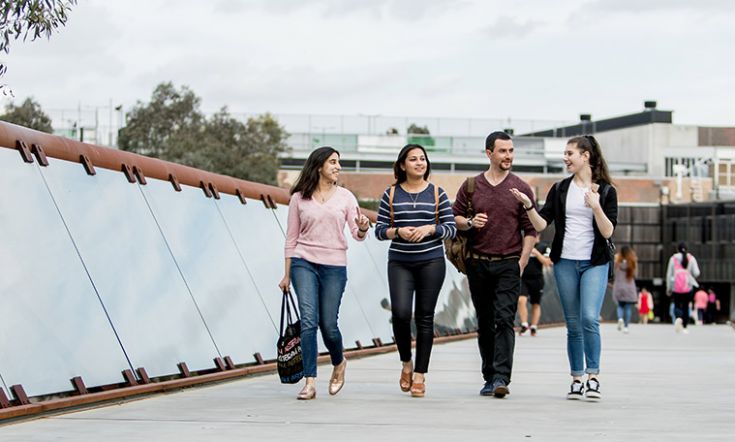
(495, 286)
(681, 306)
(425, 278)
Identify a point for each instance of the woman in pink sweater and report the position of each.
(316, 259)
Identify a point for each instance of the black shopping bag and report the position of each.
(290, 361)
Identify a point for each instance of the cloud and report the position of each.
(636, 6)
(511, 28)
(376, 9)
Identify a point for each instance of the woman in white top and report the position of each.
(584, 207)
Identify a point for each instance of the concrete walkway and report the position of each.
(656, 385)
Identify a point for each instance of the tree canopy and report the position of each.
(173, 128)
(28, 114)
(30, 19)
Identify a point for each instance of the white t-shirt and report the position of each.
(579, 235)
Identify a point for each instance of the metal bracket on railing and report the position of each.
(37, 150)
(174, 181)
(259, 359)
(4, 402)
(213, 189)
(239, 194)
(219, 363)
(88, 167)
(78, 385)
(205, 188)
(143, 375)
(128, 173)
(129, 377)
(183, 370)
(25, 153)
(138, 172)
(229, 364)
(265, 201)
(271, 202)
(20, 394)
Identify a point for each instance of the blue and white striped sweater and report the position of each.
(413, 210)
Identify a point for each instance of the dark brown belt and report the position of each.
(475, 255)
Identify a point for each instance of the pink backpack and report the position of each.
(681, 277)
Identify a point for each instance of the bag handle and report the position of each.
(286, 305)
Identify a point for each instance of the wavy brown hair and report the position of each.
(628, 254)
(588, 143)
(309, 176)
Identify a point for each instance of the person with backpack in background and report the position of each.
(681, 274)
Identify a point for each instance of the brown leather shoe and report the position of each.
(406, 380)
(418, 389)
(338, 378)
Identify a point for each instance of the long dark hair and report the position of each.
(399, 173)
(588, 143)
(682, 248)
(309, 176)
(628, 254)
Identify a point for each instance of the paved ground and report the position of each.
(656, 385)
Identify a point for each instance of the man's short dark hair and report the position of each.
(497, 135)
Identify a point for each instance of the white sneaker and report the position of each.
(625, 330)
(678, 325)
(576, 392)
(620, 324)
(685, 331)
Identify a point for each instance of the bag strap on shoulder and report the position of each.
(436, 203)
(470, 190)
(390, 202)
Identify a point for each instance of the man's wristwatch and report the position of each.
(469, 223)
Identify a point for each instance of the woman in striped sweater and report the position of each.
(417, 216)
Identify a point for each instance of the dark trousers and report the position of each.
(424, 278)
(681, 306)
(495, 286)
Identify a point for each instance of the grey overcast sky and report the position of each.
(533, 59)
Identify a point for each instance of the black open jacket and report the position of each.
(554, 210)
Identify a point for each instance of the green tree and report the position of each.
(172, 127)
(30, 19)
(166, 125)
(415, 129)
(28, 114)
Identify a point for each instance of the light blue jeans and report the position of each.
(625, 310)
(581, 289)
(319, 289)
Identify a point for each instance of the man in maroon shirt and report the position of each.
(501, 239)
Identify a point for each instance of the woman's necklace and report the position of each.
(322, 197)
(414, 197)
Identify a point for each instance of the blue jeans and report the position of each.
(319, 289)
(625, 309)
(581, 289)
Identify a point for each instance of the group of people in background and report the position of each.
(689, 301)
(497, 213)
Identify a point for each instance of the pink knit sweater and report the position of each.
(316, 231)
